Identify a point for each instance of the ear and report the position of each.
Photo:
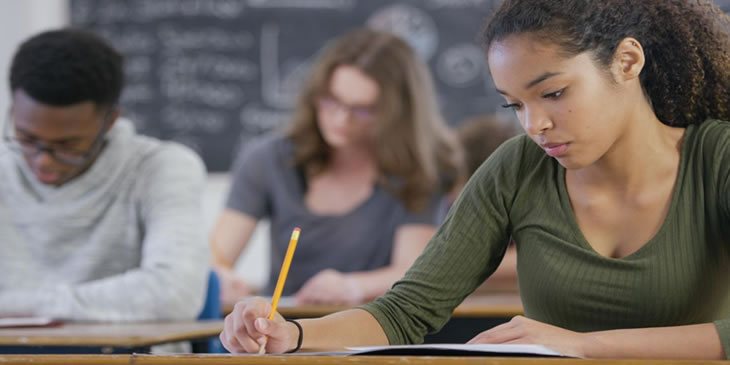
(628, 59)
(114, 115)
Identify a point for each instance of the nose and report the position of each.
(43, 160)
(341, 115)
(536, 121)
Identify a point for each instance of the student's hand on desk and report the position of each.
(245, 328)
(233, 287)
(330, 287)
(522, 330)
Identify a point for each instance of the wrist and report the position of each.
(222, 266)
(220, 260)
(297, 335)
(588, 342)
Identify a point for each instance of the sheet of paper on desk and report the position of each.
(28, 322)
(456, 350)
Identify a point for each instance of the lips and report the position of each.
(554, 149)
(47, 177)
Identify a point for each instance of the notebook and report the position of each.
(458, 350)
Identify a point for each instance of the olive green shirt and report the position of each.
(678, 277)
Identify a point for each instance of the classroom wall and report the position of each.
(21, 19)
(254, 263)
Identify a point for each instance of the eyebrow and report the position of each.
(536, 81)
(356, 105)
(54, 141)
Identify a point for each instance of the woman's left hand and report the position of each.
(522, 330)
(330, 287)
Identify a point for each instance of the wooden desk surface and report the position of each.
(493, 305)
(484, 306)
(109, 334)
(320, 360)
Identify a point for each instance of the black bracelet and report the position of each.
(301, 335)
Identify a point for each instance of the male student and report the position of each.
(96, 222)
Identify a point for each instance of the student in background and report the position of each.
(480, 136)
(96, 222)
(362, 171)
(617, 196)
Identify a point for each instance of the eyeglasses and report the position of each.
(330, 104)
(68, 156)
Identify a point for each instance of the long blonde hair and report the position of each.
(415, 152)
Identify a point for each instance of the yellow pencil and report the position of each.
(282, 277)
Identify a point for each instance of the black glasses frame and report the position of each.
(80, 157)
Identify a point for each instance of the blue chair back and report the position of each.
(212, 306)
(211, 310)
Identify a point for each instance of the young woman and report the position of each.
(618, 196)
(361, 171)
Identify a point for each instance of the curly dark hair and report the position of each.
(68, 66)
(686, 76)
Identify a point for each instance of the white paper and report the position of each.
(482, 348)
(25, 321)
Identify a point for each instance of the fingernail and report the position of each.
(262, 323)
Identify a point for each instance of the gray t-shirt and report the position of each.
(267, 185)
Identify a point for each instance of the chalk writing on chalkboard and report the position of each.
(214, 74)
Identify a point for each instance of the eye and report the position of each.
(362, 113)
(514, 106)
(554, 95)
(24, 139)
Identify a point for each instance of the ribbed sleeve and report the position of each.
(723, 329)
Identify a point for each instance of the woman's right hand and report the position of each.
(233, 287)
(247, 328)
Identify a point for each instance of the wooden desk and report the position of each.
(377, 360)
(65, 359)
(476, 306)
(320, 360)
(107, 336)
(489, 306)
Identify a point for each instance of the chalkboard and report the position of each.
(213, 74)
